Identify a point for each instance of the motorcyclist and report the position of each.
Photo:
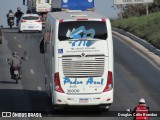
(18, 15)
(141, 110)
(15, 61)
(10, 15)
(29, 11)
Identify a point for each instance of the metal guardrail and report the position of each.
(0, 35)
(139, 40)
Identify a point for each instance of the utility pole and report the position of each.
(121, 11)
(147, 9)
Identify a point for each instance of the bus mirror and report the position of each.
(41, 46)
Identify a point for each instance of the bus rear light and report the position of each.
(109, 84)
(57, 85)
(60, 21)
(103, 20)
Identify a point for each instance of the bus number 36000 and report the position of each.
(72, 90)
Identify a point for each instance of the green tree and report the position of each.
(155, 7)
(140, 9)
(134, 10)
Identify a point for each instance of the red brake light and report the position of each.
(109, 85)
(23, 20)
(57, 85)
(15, 68)
(38, 20)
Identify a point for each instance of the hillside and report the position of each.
(145, 27)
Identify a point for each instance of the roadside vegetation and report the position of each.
(145, 27)
(138, 23)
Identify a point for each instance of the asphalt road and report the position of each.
(135, 77)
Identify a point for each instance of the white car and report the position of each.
(30, 22)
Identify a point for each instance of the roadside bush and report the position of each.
(145, 27)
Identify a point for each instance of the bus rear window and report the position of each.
(82, 29)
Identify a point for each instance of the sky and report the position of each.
(103, 7)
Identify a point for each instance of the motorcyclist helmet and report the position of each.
(18, 8)
(10, 11)
(142, 101)
(14, 53)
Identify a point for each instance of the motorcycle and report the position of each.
(11, 21)
(16, 71)
(16, 74)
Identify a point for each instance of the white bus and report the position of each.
(78, 51)
(39, 5)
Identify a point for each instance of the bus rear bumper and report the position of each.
(102, 99)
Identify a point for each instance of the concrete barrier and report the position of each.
(139, 40)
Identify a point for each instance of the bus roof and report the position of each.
(69, 15)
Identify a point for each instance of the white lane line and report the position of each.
(32, 71)
(152, 63)
(20, 46)
(15, 38)
(39, 88)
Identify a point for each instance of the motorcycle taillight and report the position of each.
(15, 68)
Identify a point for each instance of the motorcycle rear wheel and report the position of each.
(16, 81)
(10, 26)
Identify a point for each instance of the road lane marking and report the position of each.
(39, 88)
(32, 71)
(15, 38)
(152, 63)
(20, 46)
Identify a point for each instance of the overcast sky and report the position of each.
(103, 7)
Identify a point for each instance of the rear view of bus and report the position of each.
(43, 6)
(84, 61)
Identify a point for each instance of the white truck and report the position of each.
(78, 53)
(42, 7)
(84, 5)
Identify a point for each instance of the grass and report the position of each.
(145, 27)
